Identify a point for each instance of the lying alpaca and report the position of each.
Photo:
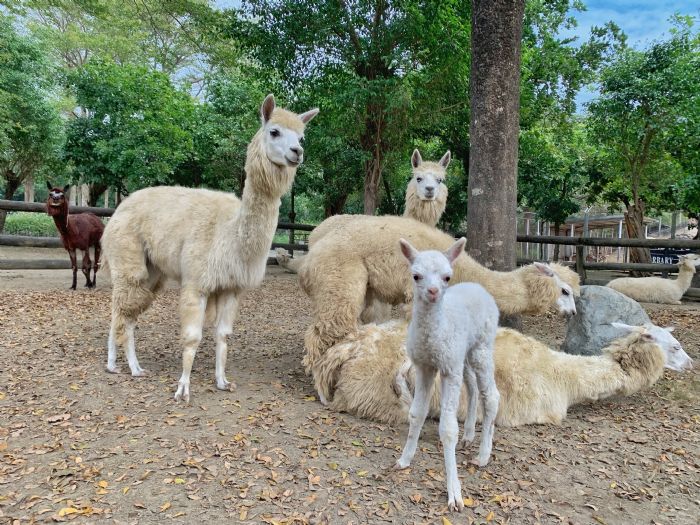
(452, 331)
(657, 289)
(373, 378)
(426, 198)
(214, 244)
(348, 265)
(79, 231)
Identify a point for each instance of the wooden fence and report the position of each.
(580, 243)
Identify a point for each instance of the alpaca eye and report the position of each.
(274, 133)
(447, 278)
(565, 291)
(416, 277)
(419, 179)
(440, 181)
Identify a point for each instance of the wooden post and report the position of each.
(29, 189)
(619, 236)
(674, 224)
(292, 216)
(106, 198)
(527, 232)
(580, 261)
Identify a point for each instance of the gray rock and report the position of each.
(589, 331)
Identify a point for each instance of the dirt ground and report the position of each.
(78, 444)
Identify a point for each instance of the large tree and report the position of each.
(136, 127)
(647, 103)
(30, 126)
(495, 110)
(368, 54)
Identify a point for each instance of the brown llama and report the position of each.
(78, 231)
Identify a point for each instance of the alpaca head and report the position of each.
(675, 357)
(57, 203)
(275, 152)
(428, 179)
(690, 261)
(563, 291)
(431, 269)
(283, 133)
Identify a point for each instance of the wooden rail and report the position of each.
(40, 207)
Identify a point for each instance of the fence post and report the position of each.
(580, 261)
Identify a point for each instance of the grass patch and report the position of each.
(28, 223)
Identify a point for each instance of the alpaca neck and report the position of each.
(242, 244)
(685, 277)
(427, 212)
(589, 378)
(61, 222)
(427, 318)
(507, 288)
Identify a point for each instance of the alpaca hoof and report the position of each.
(455, 504)
(399, 465)
(226, 385)
(466, 441)
(479, 461)
(139, 373)
(322, 399)
(183, 393)
(114, 369)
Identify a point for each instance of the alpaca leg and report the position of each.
(338, 298)
(425, 378)
(74, 267)
(226, 307)
(193, 305)
(87, 267)
(449, 432)
(112, 346)
(472, 398)
(490, 398)
(96, 265)
(136, 370)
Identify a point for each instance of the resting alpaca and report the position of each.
(373, 378)
(657, 289)
(359, 260)
(426, 198)
(214, 244)
(452, 332)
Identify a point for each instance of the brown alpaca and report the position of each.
(78, 232)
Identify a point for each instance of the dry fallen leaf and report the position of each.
(165, 506)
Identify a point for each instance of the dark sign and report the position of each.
(667, 255)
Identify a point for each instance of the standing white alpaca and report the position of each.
(212, 243)
(426, 198)
(452, 331)
(658, 289)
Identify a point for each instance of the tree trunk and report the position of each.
(372, 142)
(557, 228)
(373, 175)
(634, 223)
(495, 106)
(334, 206)
(29, 189)
(11, 185)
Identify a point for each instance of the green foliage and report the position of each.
(646, 123)
(26, 223)
(30, 127)
(134, 130)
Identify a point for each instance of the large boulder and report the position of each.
(589, 331)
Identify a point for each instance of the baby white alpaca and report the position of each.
(658, 289)
(452, 331)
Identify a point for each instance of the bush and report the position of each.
(28, 223)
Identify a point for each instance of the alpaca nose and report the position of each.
(433, 290)
(298, 150)
(429, 189)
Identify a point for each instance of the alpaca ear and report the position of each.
(48, 185)
(445, 160)
(669, 329)
(267, 108)
(408, 251)
(308, 115)
(627, 328)
(66, 188)
(544, 269)
(455, 250)
(416, 159)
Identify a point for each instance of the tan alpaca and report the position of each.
(658, 289)
(426, 198)
(215, 245)
(372, 377)
(360, 258)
